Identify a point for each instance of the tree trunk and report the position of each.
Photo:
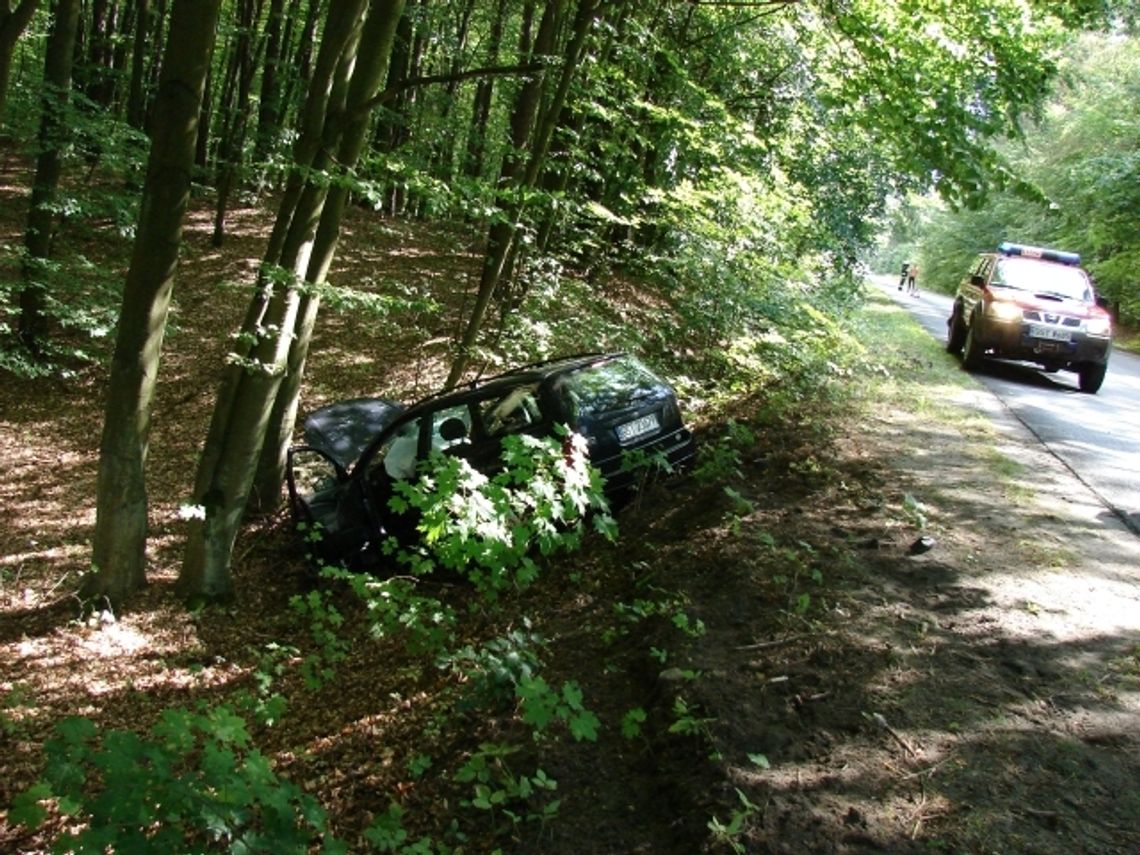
(246, 401)
(484, 90)
(137, 92)
(233, 133)
(12, 26)
(379, 35)
(53, 135)
(96, 72)
(269, 99)
(301, 61)
(154, 73)
(119, 554)
(501, 234)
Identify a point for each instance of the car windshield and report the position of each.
(1042, 277)
(607, 387)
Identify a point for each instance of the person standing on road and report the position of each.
(902, 275)
(912, 280)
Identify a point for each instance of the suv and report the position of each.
(342, 478)
(1036, 305)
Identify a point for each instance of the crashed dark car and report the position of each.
(355, 451)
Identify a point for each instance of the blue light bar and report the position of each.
(1061, 257)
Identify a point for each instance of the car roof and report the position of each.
(535, 372)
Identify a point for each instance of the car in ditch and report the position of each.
(341, 479)
(1035, 305)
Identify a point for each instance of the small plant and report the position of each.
(324, 622)
(631, 723)
(16, 698)
(266, 705)
(541, 705)
(728, 833)
(195, 783)
(686, 722)
(496, 789)
(721, 460)
(914, 511)
(493, 673)
(387, 834)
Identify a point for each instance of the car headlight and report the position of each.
(1100, 326)
(1000, 310)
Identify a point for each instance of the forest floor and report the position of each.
(814, 677)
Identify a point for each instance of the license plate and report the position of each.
(638, 427)
(1051, 333)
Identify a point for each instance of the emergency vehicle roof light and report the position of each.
(1059, 256)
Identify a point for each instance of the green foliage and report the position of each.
(493, 673)
(488, 528)
(18, 697)
(196, 782)
(541, 705)
(728, 833)
(498, 790)
(324, 622)
(688, 722)
(631, 723)
(1081, 159)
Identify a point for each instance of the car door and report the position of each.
(974, 284)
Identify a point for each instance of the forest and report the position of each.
(219, 215)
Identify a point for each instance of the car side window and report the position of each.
(513, 412)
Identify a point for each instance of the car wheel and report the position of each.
(956, 336)
(1091, 376)
(972, 350)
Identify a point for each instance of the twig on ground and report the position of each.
(878, 719)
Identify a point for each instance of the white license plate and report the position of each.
(1051, 333)
(638, 427)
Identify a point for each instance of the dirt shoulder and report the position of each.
(977, 691)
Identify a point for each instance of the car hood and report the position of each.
(344, 429)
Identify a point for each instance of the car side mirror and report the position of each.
(1102, 302)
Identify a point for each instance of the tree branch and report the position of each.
(453, 77)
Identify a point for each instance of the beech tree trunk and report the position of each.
(371, 71)
(136, 90)
(250, 390)
(268, 102)
(13, 22)
(53, 134)
(236, 116)
(119, 554)
(484, 91)
(501, 235)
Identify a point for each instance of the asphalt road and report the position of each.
(1095, 436)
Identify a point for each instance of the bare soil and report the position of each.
(845, 686)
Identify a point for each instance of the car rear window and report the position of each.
(607, 387)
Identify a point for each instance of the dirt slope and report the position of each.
(978, 692)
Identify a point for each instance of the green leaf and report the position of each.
(760, 760)
(631, 723)
(584, 726)
(26, 810)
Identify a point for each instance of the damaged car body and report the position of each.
(355, 453)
